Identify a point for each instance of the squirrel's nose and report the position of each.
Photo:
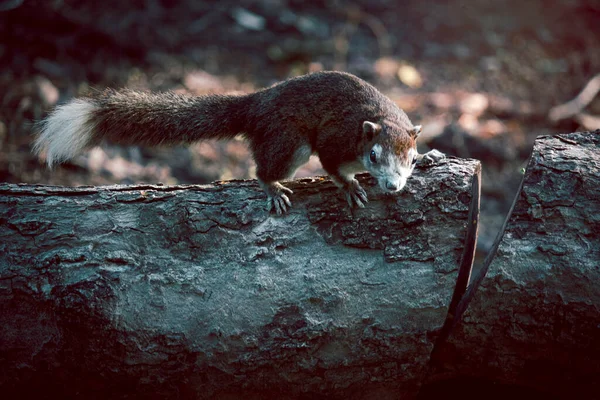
(391, 186)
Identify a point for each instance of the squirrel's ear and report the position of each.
(371, 129)
(414, 132)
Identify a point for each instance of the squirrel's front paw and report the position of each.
(355, 194)
(277, 199)
(279, 203)
(432, 157)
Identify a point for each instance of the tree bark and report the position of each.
(531, 316)
(197, 292)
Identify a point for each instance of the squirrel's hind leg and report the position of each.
(277, 196)
(277, 167)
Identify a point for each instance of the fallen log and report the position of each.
(197, 292)
(530, 318)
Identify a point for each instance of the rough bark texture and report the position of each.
(196, 292)
(532, 316)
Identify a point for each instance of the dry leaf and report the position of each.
(410, 76)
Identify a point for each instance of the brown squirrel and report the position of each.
(348, 123)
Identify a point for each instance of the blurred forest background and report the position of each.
(480, 75)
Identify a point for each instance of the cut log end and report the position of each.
(530, 318)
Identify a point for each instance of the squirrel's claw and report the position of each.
(431, 157)
(280, 203)
(277, 199)
(353, 199)
(288, 191)
(356, 195)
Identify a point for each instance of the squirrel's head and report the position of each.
(390, 154)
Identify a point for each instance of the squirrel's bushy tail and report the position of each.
(138, 118)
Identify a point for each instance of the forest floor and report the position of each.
(480, 76)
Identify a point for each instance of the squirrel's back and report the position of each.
(321, 94)
(298, 106)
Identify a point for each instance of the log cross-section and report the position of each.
(532, 316)
(198, 292)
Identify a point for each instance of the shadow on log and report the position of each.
(197, 292)
(531, 317)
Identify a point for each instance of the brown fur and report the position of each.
(323, 110)
(320, 113)
(400, 144)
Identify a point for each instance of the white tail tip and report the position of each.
(66, 132)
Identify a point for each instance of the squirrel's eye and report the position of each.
(373, 157)
(414, 161)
